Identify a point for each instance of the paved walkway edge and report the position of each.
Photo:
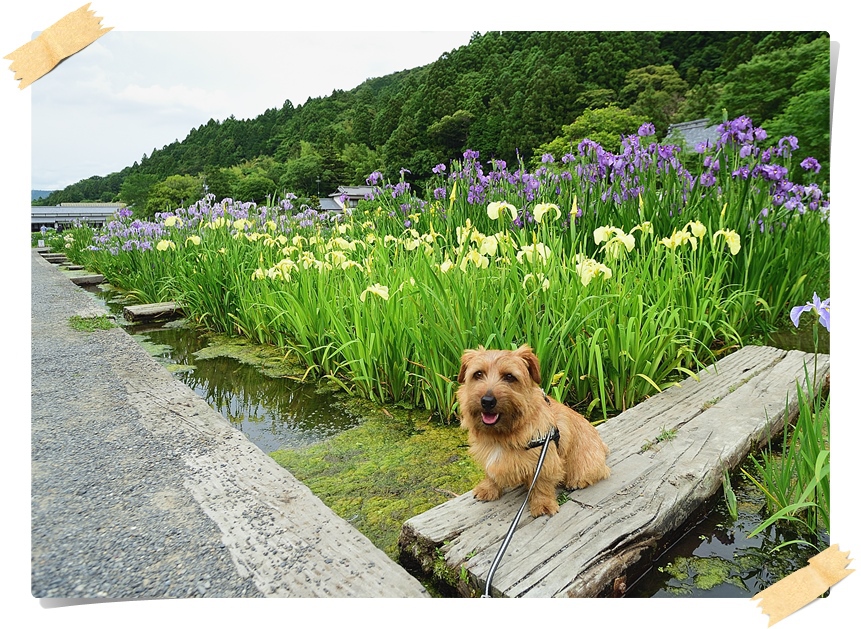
(277, 532)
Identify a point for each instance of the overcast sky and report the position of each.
(131, 92)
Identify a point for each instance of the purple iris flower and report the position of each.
(646, 129)
(822, 308)
(809, 163)
(787, 144)
(743, 172)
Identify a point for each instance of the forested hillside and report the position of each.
(508, 95)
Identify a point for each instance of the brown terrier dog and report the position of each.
(508, 416)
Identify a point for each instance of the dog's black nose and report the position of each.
(488, 402)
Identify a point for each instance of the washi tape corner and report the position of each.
(803, 586)
(70, 34)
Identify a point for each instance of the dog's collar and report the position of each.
(539, 441)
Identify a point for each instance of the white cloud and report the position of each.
(173, 97)
(130, 92)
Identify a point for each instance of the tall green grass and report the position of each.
(795, 476)
(623, 271)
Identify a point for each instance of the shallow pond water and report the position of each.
(274, 411)
(713, 556)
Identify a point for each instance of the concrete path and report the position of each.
(141, 490)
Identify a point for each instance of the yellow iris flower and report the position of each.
(731, 238)
(588, 269)
(376, 289)
(497, 209)
(538, 252)
(543, 208)
(678, 238)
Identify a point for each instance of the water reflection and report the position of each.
(715, 558)
(273, 413)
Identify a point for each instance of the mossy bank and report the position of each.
(393, 466)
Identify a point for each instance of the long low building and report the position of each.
(66, 214)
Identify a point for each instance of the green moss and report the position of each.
(269, 360)
(156, 350)
(177, 368)
(383, 472)
(702, 573)
(89, 324)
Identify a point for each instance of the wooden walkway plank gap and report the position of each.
(604, 531)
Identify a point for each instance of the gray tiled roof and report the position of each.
(329, 204)
(695, 131)
(358, 192)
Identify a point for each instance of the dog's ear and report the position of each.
(467, 356)
(525, 352)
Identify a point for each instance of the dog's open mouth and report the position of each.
(489, 418)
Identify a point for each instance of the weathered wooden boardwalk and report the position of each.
(611, 530)
(152, 312)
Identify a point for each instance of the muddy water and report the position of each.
(713, 557)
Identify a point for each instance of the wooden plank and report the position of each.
(603, 531)
(87, 280)
(152, 312)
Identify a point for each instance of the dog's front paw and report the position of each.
(487, 490)
(542, 506)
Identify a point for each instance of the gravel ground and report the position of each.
(140, 490)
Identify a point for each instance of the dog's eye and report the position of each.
(478, 375)
(509, 377)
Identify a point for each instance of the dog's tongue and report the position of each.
(489, 419)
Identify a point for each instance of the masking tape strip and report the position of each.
(801, 587)
(70, 34)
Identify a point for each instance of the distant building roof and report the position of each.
(349, 196)
(356, 192)
(99, 205)
(694, 132)
(69, 213)
(329, 204)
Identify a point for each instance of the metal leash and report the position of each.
(513, 526)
